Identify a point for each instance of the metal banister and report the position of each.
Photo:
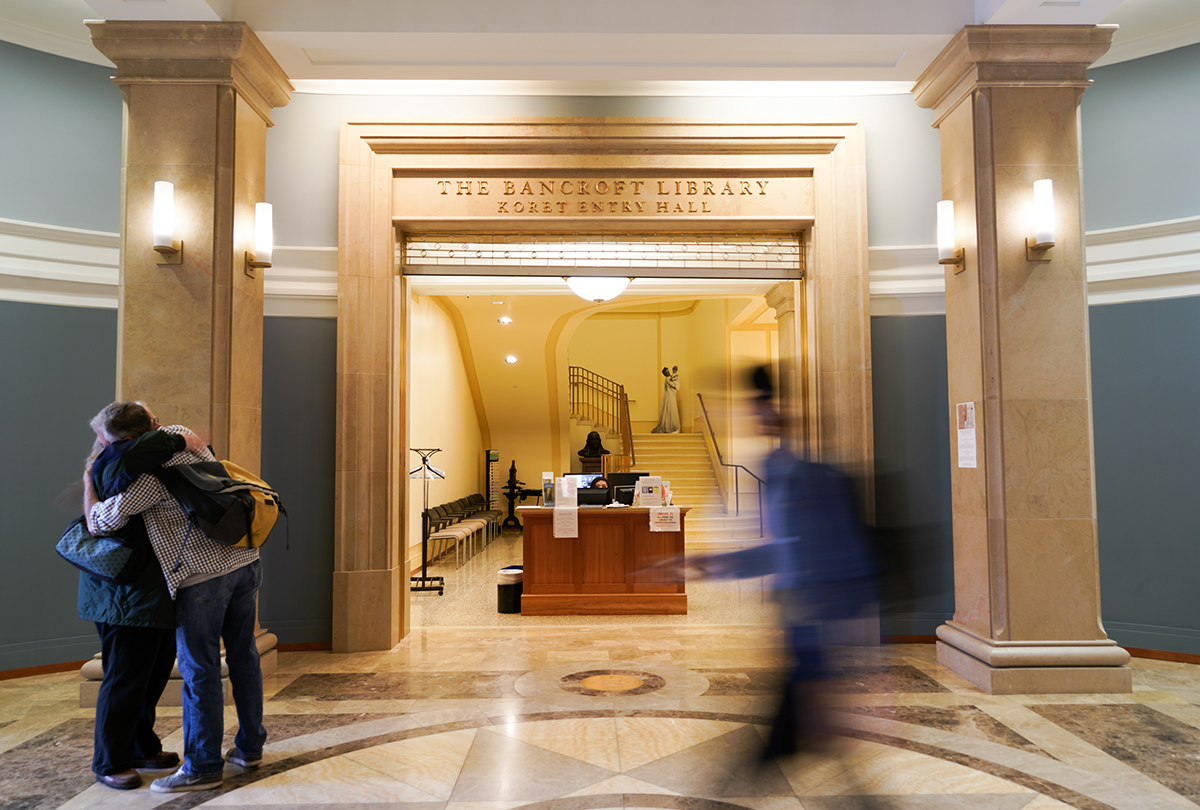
(604, 403)
(736, 469)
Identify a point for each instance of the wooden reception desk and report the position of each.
(600, 572)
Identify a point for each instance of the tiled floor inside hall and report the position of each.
(632, 714)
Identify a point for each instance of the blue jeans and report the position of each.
(206, 613)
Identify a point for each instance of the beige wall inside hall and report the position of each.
(441, 414)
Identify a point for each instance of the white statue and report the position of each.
(668, 418)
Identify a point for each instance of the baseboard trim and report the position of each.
(44, 669)
(908, 639)
(305, 646)
(1163, 655)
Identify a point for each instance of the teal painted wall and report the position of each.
(299, 405)
(60, 141)
(1145, 393)
(1141, 127)
(912, 464)
(59, 367)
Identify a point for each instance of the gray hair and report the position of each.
(122, 420)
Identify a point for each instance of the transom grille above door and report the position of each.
(720, 255)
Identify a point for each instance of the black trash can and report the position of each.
(508, 589)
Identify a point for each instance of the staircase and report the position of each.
(682, 459)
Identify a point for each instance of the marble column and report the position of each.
(1027, 601)
(197, 104)
(198, 97)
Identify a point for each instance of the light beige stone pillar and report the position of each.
(782, 299)
(1027, 601)
(198, 97)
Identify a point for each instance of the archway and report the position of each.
(577, 176)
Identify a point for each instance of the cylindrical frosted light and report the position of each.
(947, 245)
(1043, 211)
(264, 233)
(162, 221)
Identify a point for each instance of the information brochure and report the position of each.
(548, 489)
(649, 491)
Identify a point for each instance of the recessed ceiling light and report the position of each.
(504, 319)
(497, 302)
(512, 358)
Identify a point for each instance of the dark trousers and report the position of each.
(137, 664)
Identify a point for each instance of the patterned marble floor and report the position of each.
(479, 710)
(610, 716)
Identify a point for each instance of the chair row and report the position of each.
(467, 523)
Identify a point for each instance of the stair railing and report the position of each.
(603, 402)
(737, 468)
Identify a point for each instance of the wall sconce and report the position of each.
(1043, 222)
(264, 239)
(162, 224)
(948, 252)
(597, 288)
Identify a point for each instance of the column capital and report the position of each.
(782, 298)
(219, 53)
(1010, 56)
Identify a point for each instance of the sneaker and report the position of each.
(181, 781)
(238, 757)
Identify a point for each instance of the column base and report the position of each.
(367, 609)
(1034, 667)
(93, 672)
(1035, 680)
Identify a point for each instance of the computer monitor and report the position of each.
(593, 497)
(583, 480)
(623, 479)
(624, 494)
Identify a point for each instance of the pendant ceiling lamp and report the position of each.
(598, 288)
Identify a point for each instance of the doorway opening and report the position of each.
(463, 396)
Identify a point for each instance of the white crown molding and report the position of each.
(1144, 262)
(1159, 42)
(49, 264)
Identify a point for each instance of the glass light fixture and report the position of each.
(162, 224)
(1043, 222)
(504, 319)
(598, 288)
(947, 243)
(512, 358)
(264, 239)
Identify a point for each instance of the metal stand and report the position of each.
(426, 471)
(513, 490)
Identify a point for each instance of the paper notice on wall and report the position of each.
(566, 492)
(566, 521)
(664, 518)
(966, 434)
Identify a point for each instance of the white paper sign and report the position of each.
(566, 521)
(649, 490)
(664, 518)
(566, 492)
(965, 413)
